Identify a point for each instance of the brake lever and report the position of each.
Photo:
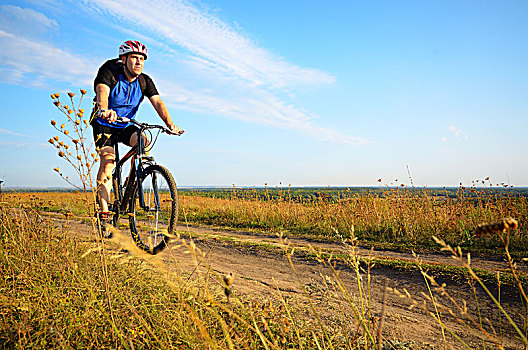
(123, 120)
(179, 133)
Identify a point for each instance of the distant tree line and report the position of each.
(336, 194)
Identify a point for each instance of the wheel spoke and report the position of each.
(157, 218)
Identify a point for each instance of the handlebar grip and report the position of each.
(146, 126)
(123, 120)
(179, 133)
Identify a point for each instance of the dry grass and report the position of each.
(399, 217)
(402, 218)
(61, 290)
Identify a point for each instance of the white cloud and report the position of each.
(14, 14)
(254, 106)
(26, 22)
(456, 131)
(228, 75)
(9, 132)
(27, 58)
(213, 40)
(35, 62)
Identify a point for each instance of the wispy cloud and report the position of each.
(456, 131)
(209, 38)
(228, 75)
(453, 140)
(12, 145)
(27, 58)
(35, 62)
(15, 16)
(9, 132)
(244, 80)
(254, 106)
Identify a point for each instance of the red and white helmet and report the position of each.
(132, 46)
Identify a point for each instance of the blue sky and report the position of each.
(337, 93)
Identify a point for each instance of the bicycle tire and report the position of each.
(152, 227)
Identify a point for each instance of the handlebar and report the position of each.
(146, 126)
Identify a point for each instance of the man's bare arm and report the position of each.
(163, 112)
(102, 91)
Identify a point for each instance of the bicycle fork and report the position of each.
(153, 193)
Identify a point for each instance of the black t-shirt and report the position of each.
(124, 97)
(109, 72)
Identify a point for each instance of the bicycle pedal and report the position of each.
(107, 232)
(148, 158)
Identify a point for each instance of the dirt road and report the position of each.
(262, 270)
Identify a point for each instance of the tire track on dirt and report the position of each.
(480, 261)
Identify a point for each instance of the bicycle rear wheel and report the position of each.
(152, 224)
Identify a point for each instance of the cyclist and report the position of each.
(120, 86)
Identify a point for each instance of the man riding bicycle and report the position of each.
(120, 86)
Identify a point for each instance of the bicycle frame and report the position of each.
(137, 154)
(145, 181)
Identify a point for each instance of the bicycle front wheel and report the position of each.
(115, 198)
(154, 209)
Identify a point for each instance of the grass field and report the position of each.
(395, 217)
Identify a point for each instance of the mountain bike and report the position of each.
(148, 195)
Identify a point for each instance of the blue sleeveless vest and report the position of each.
(124, 99)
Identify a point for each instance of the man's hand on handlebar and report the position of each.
(174, 131)
(109, 115)
(169, 129)
(173, 128)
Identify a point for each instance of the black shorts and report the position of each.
(107, 136)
